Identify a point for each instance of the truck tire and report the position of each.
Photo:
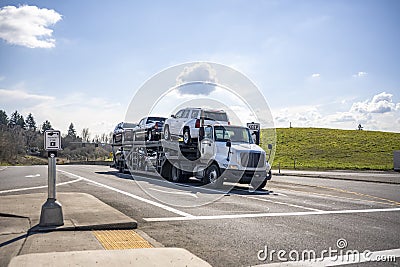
(121, 167)
(212, 176)
(186, 136)
(176, 174)
(167, 134)
(262, 185)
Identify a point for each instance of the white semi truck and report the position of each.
(221, 153)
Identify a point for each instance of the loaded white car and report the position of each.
(187, 122)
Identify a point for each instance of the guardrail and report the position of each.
(88, 162)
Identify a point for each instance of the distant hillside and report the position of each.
(315, 148)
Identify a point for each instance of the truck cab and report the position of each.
(232, 155)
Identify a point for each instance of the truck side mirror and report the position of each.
(228, 143)
(269, 146)
(173, 116)
(201, 133)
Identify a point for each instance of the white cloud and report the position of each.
(315, 75)
(360, 74)
(299, 116)
(28, 26)
(379, 113)
(201, 72)
(380, 103)
(98, 114)
(17, 95)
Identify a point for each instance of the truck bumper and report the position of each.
(245, 177)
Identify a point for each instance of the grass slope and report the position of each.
(315, 148)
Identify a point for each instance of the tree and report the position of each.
(71, 131)
(16, 119)
(85, 134)
(3, 118)
(30, 122)
(46, 126)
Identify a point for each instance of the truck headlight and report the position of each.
(233, 167)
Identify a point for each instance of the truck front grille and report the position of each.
(252, 159)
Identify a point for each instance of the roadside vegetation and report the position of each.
(320, 149)
(21, 142)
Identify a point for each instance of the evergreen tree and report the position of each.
(71, 131)
(30, 122)
(3, 118)
(16, 119)
(46, 126)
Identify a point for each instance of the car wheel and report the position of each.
(167, 134)
(176, 174)
(186, 136)
(212, 177)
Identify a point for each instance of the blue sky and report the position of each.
(318, 63)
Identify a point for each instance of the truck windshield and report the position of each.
(235, 134)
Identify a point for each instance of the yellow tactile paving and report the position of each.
(121, 239)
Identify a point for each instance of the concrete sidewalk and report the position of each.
(74, 244)
(387, 177)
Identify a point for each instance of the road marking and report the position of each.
(283, 203)
(259, 215)
(232, 193)
(391, 202)
(174, 193)
(384, 256)
(37, 187)
(148, 201)
(32, 175)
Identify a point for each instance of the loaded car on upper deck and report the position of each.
(187, 122)
(149, 129)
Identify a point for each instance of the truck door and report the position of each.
(207, 145)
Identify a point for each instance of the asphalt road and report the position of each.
(291, 214)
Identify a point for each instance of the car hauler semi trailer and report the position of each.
(221, 153)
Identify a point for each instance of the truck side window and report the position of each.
(185, 113)
(194, 114)
(208, 132)
(179, 114)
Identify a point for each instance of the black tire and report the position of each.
(121, 167)
(176, 174)
(186, 136)
(262, 185)
(212, 176)
(167, 134)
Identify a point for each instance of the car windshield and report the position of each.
(232, 133)
(215, 116)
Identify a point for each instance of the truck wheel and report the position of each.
(186, 136)
(167, 134)
(262, 185)
(212, 177)
(121, 167)
(176, 174)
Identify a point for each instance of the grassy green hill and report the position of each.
(315, 148)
